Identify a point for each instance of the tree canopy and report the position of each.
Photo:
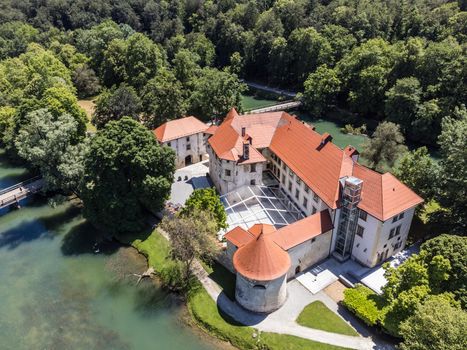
(126, 173)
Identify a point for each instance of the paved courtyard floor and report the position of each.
(321, 275)
(187, 179)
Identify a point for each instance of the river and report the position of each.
(56, 292)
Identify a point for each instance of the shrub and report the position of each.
(364, 303)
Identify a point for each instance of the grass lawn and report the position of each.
(317, 315)
(206, 314)
(156, 249)
(88, 106)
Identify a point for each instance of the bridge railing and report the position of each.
(18, 185)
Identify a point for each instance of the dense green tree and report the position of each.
(202, 46)
(215, 93)
(340, 39)
(116, 103)
(402, 101)
(435, 325)
(185, 65)
(59, 100)
(365, 72)
(143, 59)
(206, 200)
(384, 147)
(309, 49)
(162, 99)
(126, 172)
(279, 58)
(15, 38)
(418, 171)
(49, 143)
(453, 249)
(321, 89)
(86, 82)
(453, 178)
(7, 122)
(291, 13)
(426, 126)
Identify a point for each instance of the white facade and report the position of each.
(380, 240)
(309, 253)
(228, 175)
(189, 149)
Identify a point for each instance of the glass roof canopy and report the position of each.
(251, 205)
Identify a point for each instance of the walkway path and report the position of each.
(283, 321)
(271, 89)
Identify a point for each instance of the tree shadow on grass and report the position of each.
(224, 278)
(37, 228)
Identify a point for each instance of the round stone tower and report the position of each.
(261, 267)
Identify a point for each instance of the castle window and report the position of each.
(360, 230)
(227, 172)
(363, 215)
(394, 219)
(297, 193)
(315, 198)
(401, 216)
(398, 230)
(391, 233)
(313, 211)
(290, 186)
(307, 189)
(305, 202)
(253, 182)
(188, 146)
(252, 168)
(259, 286)
(168, 144)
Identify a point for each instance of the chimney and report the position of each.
(243, 131)
(325, 138)
(246, 149)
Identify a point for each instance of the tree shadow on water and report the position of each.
(86, 239)
(36, 228)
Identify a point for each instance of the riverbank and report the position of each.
(206, 314)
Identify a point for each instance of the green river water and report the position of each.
(56, 292)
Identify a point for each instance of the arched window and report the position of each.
(259, 286)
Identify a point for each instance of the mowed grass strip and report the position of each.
(318, 316)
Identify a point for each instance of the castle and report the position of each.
(344, 209)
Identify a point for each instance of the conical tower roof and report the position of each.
(261, 259)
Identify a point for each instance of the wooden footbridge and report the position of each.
(12, 195)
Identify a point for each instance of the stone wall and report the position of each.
(261, 296)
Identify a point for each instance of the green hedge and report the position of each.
(364, 303)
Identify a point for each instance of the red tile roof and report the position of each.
(261, 259)
(303, 230)
(313, 157)
(175, 129)
(239, 237)
(383, 195)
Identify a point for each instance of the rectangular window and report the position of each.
(363, 215)
(188, 146)
(253, 168)
(187, 139)
(401, 215)
(290, 186)
(291, 172)
(297, 194)
(360, 230)
(299, 182)
(227, 172)
(315, 198)
(391, 233)
(283, 179)
(305, 202)
(168, 144)
(394, 219)
(398, 230)
(307, 189)
(283, 166)
(279, 161)
(313, 211)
